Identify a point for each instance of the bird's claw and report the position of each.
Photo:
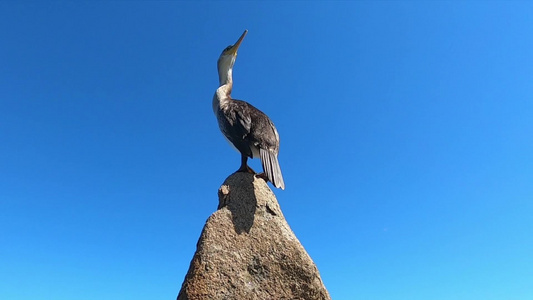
(262, 176)
(246, 169)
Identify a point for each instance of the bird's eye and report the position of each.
(227, 48)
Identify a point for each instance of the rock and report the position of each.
(248, 251)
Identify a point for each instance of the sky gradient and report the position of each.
(406, 142)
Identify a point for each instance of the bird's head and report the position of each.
(228, 56)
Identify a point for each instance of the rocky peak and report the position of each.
(248, 251)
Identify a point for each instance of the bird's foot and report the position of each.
(262, 176)
(246, 169)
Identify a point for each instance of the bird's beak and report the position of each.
(238, 43)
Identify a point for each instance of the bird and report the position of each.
(247, 129)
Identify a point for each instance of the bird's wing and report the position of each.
(244, 118)
(259, 129)
(253, 131)
(236, 124)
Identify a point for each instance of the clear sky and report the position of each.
(406, 142)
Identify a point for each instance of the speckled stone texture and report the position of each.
(248, 251)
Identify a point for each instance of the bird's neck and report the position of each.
(226, 79)
(223, 93)
(226, 84)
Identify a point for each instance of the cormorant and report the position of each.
(247, 128)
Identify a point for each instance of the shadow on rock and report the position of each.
(238, 195)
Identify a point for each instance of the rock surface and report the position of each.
(248, 251)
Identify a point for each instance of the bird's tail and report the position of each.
(270, 163)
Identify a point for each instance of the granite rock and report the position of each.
(248, 251)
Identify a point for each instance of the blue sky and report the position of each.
(406, 142)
